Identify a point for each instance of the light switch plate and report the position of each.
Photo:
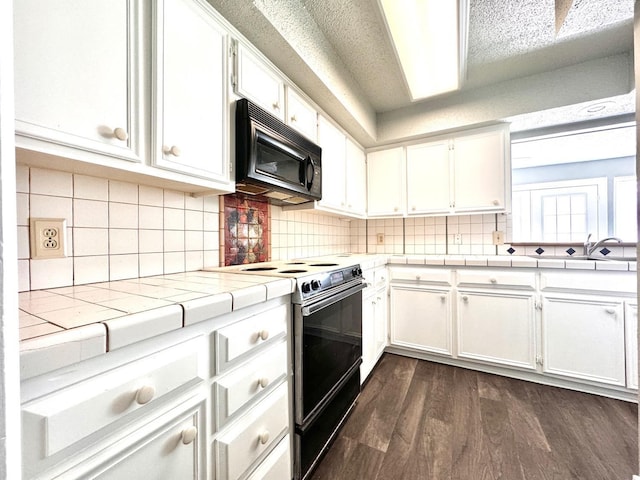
(47, 237)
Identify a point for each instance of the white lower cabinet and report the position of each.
(255, 434)
(631, 332)
(421, 318)
(497, 327)
(584, 338)
(374, 320)
(277, 466)
(170, 453)
(68, 432)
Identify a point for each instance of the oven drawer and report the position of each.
(249, 382)
(253, 435)
(236, 341)
(59, 420)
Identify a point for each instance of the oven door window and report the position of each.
(332, 344)
(275, 159)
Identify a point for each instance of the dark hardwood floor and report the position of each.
(426, 421)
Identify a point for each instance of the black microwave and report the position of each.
(274, 160)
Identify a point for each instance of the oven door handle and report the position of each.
(315, 307)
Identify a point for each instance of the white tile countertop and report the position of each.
(512, 261)
(61, 326)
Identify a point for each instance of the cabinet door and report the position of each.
(584, 338)
(174, 452)
(386, 182)
(356, 179)
(191, 113)
(76, 70)
(421, 318)
(479, 172)
(428, 178)
(333, 143)
(301, 116)
(631, 332)
(258, 82)
(497, 327)
(368, 337)
(380, 322)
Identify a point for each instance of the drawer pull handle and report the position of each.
(493, 280)
(263, 437)
(263, 334)
(189, 435)
(263, 382)
(145, 394)
(121, 134)
(174, 150)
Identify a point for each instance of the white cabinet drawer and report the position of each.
(421, 275)
(241, 338)
(277, 466)
(56, 421)
(495, 278)
(254, 435)
(249, 382)
(615, 282)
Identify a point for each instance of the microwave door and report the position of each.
(279, 162)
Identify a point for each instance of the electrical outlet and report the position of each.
(498, 237)
(380, 238)
(47, 237)
(457, 239)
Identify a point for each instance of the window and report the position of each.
(570, 184)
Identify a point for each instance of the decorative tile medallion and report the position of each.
(511, 250)
(605, 251)
(570, 251)
(539, 250)
(246, 229)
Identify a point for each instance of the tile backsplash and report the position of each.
(115, 230)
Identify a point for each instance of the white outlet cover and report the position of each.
(47, 237)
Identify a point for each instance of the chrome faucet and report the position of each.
(590, 247)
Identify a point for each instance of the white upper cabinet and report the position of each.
(482, 171)
(191, 112)
(333, 144)
(77, 70)
(428, 163)
(356, 179)
(258, 82)
(386, 183)
(467, 173)
(301, 116)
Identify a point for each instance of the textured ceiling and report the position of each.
(339, 52)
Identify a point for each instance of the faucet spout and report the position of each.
(590, 248)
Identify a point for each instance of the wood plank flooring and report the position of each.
(425, 421)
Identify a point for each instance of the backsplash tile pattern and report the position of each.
(115, 230)
(297, 234)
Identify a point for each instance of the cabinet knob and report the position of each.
(293, 118)
(189, 435)
(174, 150)
(145, 394)
(395, 209)
(263, 334)
(418, 277)
(465, 298)
(493, 280)
(120, 134)
(610, 311)
(276, 105)
(443, 297)
(496, 202)
(264, 437)
(263, 382)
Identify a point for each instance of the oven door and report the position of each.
(327, 343)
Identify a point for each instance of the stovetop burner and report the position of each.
(292, 271)
(258, 269)
(323, 264)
